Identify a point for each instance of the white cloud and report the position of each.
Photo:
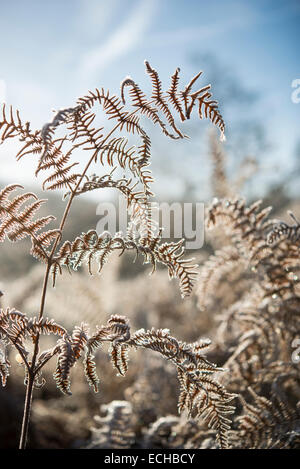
(95, 16)
(231, 16)
(124, 39)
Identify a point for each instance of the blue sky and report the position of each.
(53, 52)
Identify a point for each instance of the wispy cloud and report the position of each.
(95, 16)
(122, 40)
(232, 17)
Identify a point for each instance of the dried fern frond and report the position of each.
(56, 160)
(171, 255)
(91, 247)
(215, 268)
(200, 393)
(60, 117)
(174, 96)
(4, 361)
(160, 100)
(11, 126)
(249, 228)
(282, 231)
(261, 326)
(81, 132)
(81, 129)
(80, 118)
(139, 208)
(267, 424)
(70, 130)
(114, 430)
(17, 327)
(116, 149)
(65, 361)
(18, 222)
(140, 101)
(202, 98)
(247, 225)
(259, 345)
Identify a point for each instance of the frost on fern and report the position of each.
(257, 331)
(201, 395)
(88, 134)
(17, 221)
(80, 130)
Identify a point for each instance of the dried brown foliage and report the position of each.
(54, 148)
(260, 328)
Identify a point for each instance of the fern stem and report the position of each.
(32, 371)
(44, 291)
(27, 411)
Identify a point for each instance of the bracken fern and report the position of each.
(55, 148)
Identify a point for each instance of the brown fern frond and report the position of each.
(282, 231)
(13, 330)
(61, 178)
(140, 101)
(17, 225)
(186, 94)
(249, 228)
(65, 361)
(4, 362)
(116, 149)
(216, 413)
(119, 357)
(18, 327)
(171, 255)
(211, 112)
(81, 129)
(145, 150)
(12, 126)
(174, 97)
(11, 314)
(199, 393)
(79, 340)
(90, 247)
(90, 372)
(60, 117)
(114, 109)
(202, 97)
(46, 326)
(111, 104)
(266, 424)
(138, 206)
(56, 161)
(214, 269)
(116, 429)
(159, 99)
(259, 345)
